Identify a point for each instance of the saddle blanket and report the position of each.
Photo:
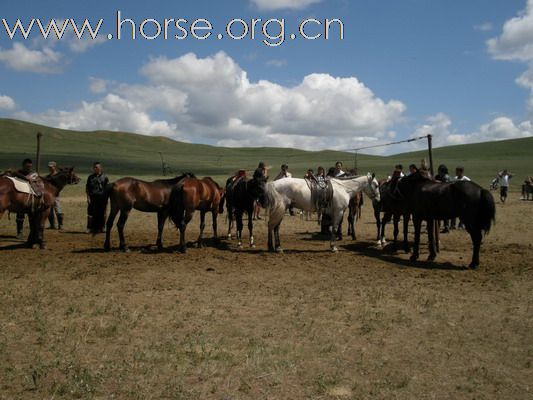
(22, 186)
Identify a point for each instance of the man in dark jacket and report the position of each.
(95, 189)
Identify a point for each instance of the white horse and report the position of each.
(281, 193)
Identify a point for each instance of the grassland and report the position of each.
(132, 154)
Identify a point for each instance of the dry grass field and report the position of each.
(218, 323)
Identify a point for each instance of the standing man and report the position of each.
(504, 177)
(459, 176)
(95, 190)
(338, 170)
(442, 176)
(56, 208)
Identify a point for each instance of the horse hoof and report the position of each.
(229, 237)
(279, 250)
(334, 249)
(431, 258)
(473, 266)
(252, 246)
(43, 247)
(413, 258)
(125, 249)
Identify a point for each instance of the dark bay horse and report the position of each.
(130, 193)
(241, 197)
(431, 201)
(37, 209)
(190, 194)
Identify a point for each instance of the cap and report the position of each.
(52, 164)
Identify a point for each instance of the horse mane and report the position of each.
(176, 179)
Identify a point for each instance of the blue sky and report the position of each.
(404, 68)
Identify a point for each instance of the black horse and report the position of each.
(432, 201)
(241, 197)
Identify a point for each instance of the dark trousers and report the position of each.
(96, 214)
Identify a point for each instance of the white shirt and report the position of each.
(504, 180)
(340, 173)
(464, 178)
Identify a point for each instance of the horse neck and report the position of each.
(56, 183)
(353, 186)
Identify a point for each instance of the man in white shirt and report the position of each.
(459, 176)
(503, 179)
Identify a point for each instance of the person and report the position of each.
(397, 173)
(442, 176)
(260, 171)
(55, 212)
(459, 176)
(320, 175)
(95, 190)
(413, 169)
(338, 169)
(527, 188)
(310, 175)
(503, 179)
(28, 174)
(284, 173)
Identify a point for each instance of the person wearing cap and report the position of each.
(459, 176)
(55, 212)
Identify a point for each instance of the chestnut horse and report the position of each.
(130, 193)
(37, 209)
(204, 195)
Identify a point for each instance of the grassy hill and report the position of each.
(133, 154)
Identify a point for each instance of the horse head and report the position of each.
(372, 189)
(257, 189)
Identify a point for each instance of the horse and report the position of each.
(192, 194)
(393, 208)
(38, 209)
(281, 193)
(241, 197)
(131, 193)
(432, 201)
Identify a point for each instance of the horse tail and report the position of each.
(99, 210)
(486, 211)
(221, 203)
(274, 201)
(175, 204)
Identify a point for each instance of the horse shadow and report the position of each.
(16, 246)
(368, 249)
(152, 248)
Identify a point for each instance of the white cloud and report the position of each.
(7, 103)
(269, 5)
(21, 58)
(110, 113)
(212, 100)
(484, 27)
(85, 43)
(277, 63)
(516, 40)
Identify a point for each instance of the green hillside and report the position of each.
(133, 154)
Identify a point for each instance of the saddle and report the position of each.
(321, 193)
(22, 186)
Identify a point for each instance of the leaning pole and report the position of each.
(38, 155)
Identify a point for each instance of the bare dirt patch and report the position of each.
(219, 323)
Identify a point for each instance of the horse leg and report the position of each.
(40, 222)
(183, 227)
(336, 220)
(475, 234)
(161, 218)
(386, 219)
(416, 247)
(431, 239)
(109, 226)
(32, 236)
(214, 215)
(238, 220)
(202, 227)
(124, 214)
(406, 219)
(277, 239)
(251, 228)
(396, 223)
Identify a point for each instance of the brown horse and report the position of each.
(37, 209)
(130, 193)
(354, 214)
(193, 194)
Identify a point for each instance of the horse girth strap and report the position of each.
(321, 193)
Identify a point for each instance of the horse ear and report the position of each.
(373, 175)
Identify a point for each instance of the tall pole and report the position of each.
(430, 150)
(38, 155)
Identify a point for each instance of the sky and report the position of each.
(459, 70)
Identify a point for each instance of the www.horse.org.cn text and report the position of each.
(271, 32)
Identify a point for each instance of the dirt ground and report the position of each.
(218, 323)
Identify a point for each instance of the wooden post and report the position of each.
(38, 155)
(163, 169)
(430, 150)
(436, 222)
